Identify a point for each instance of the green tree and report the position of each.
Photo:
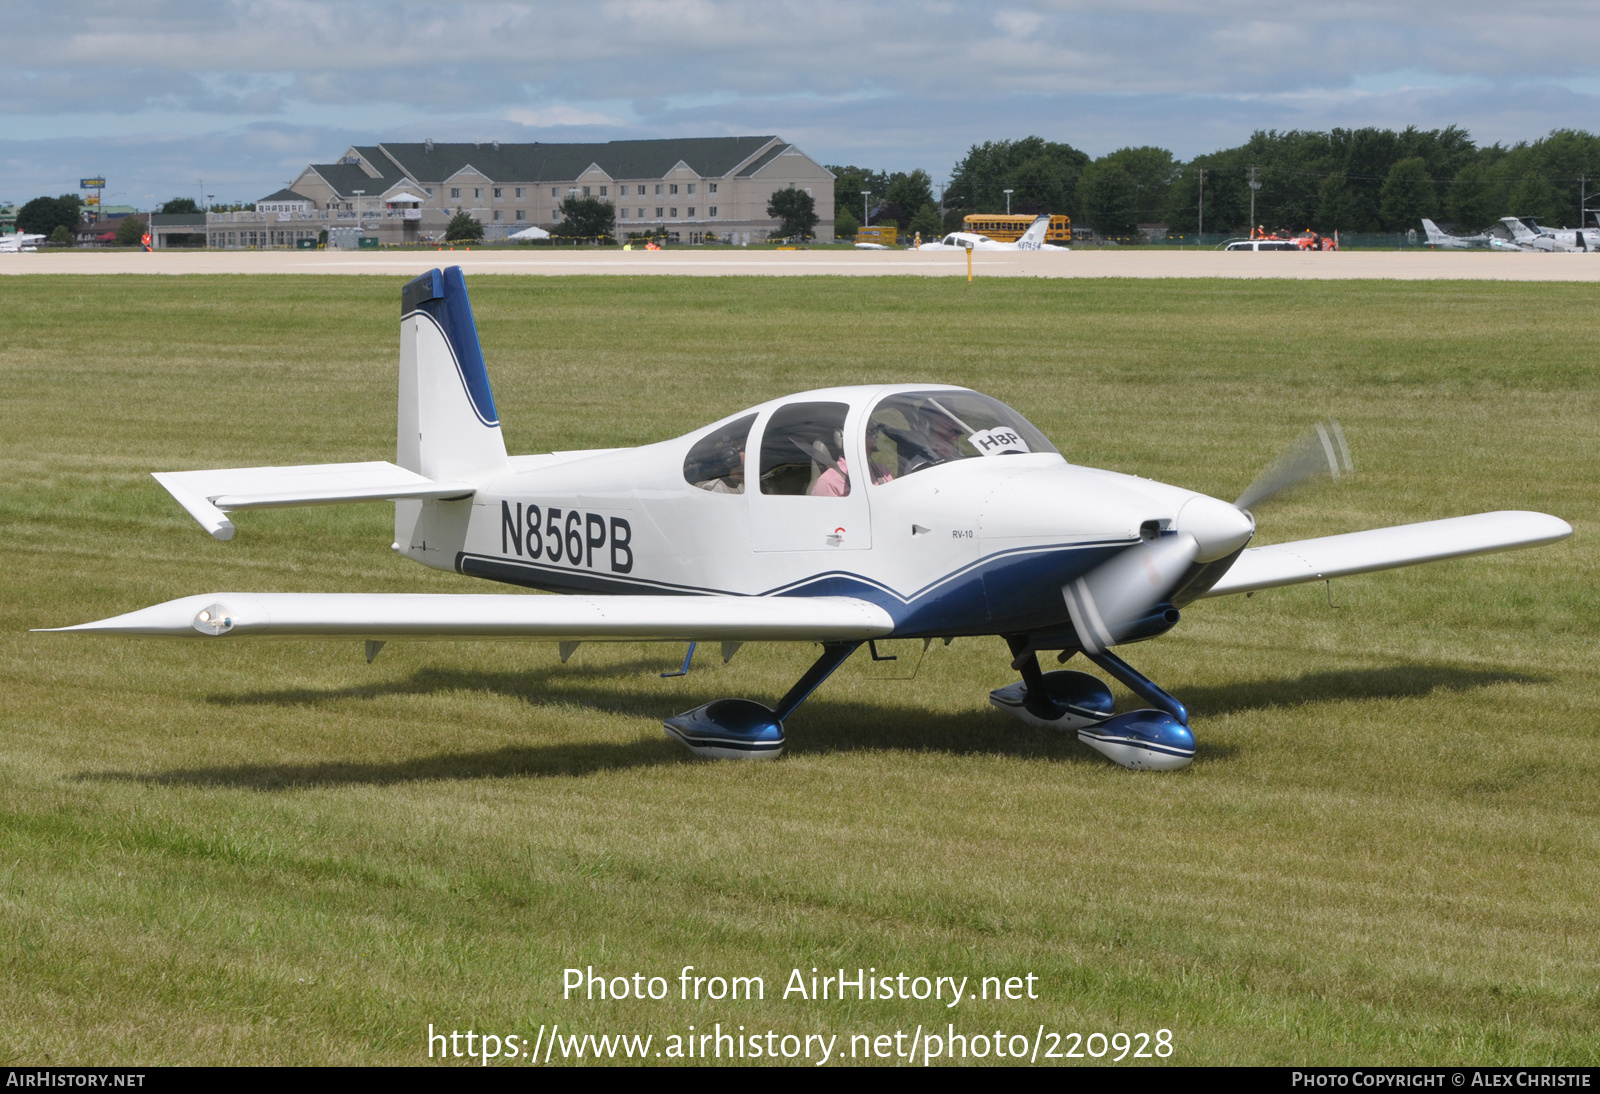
(795, 211)
(1407, 195)
(927, 222)
(180, 205)
(62, 236)
(1042, 175)
(910, 191)
(1534, 196)
(43, 215)
(845, 224)
(130, 231)
(1337, 210)
(463, 227)
(1153, 170)
(1110, 199)
(849, 181)
(586, 218)
(1474, 199)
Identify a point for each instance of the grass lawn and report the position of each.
(1386, 850)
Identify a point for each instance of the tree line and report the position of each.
(1347, 180)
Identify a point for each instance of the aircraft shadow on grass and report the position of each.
(823, 726)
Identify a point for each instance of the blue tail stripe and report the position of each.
(444, 297)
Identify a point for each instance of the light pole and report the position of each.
(865, 194)
(1254, 186)
(1008, 194)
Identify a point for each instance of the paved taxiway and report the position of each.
(1397, 265)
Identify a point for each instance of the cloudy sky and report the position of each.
(161, 94)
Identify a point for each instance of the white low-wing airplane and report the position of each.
(837, 516)
(1031, 240)
(1438, 237)
(19, 241)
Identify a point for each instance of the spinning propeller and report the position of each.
(1129, 595)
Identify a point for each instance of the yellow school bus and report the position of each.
(1005, 228)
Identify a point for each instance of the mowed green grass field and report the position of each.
(1386, 850)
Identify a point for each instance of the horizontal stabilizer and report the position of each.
(208, 495)
(1387, 549)
(386, 616)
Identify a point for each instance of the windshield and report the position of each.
(921, 429)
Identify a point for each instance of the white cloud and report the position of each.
(895, 82)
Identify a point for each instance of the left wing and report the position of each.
(502, 615)
(1387, 549)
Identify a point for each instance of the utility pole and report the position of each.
(1201, 173)
(1008, 194)
(865, 195)
(1254, 186)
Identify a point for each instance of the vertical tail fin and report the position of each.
(1033, 238)
(448, 426)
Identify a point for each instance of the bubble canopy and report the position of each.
(911, 431)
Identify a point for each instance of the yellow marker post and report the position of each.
(969, 263)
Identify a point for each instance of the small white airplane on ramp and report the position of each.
(838, 516)
(1031, 240)
(1438, 237)
(1522, 234)
(18, 242)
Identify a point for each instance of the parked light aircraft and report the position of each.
(1525, 235)
(1031, 240)
(1438, 237)
(838, 516)
(19, 241)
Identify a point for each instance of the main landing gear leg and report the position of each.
(1153, 740)
(741, 729)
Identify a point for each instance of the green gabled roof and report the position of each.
(286, 194)
(766, 157)
(710, 157)
(348, 177)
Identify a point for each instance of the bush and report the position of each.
(130, 231)
(845, 224)
(62, 236)
(463, 228)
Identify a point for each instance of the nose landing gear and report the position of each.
(1142, 740)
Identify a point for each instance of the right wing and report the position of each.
(208, 495)
(384, 616)
(1387, 549)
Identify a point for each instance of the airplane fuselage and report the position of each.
(975, 546)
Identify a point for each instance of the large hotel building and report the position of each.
(402, 193)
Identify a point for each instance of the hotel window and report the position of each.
(691, 212)
(658, 189)
(641, 189)
(711, 211)
(455, 191)
(498, 193)
(640, 214)
(622, 214)
(497, 214)
(522, 214)
(674, 188)
(713, 187)
(691, 188)
(520, 193)
(555, 191)
(477, 191)
(658, 212)
(585, 191)
(674, 212)
(602, 191)
(428, 190)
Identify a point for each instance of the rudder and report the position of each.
(448, 426)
